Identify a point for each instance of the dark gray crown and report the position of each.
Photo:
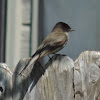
(63, 26)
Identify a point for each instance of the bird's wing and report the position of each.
(55, 39)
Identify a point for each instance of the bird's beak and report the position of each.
(71, 30)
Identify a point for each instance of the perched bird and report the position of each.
(53, 43)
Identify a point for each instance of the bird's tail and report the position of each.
(32, 61)
(35, 58)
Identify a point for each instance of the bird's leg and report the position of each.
(50, 59)
(20, 74)
(49, 56)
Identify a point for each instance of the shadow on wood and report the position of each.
(20, 83)
(57, 83)
(64, 79)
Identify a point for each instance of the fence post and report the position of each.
(64, 79)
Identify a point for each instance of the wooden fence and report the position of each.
(63, 79)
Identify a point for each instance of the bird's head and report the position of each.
(63, 26)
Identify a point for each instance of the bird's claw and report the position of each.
(20, 74)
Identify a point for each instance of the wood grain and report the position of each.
(64, 79)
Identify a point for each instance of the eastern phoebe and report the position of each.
(53, 43)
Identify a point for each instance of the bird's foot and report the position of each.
(21, 74)
(49, 56)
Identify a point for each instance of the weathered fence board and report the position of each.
(64, 79)
(57, 83)
(87, 76)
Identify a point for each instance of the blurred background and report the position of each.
(25, 23)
